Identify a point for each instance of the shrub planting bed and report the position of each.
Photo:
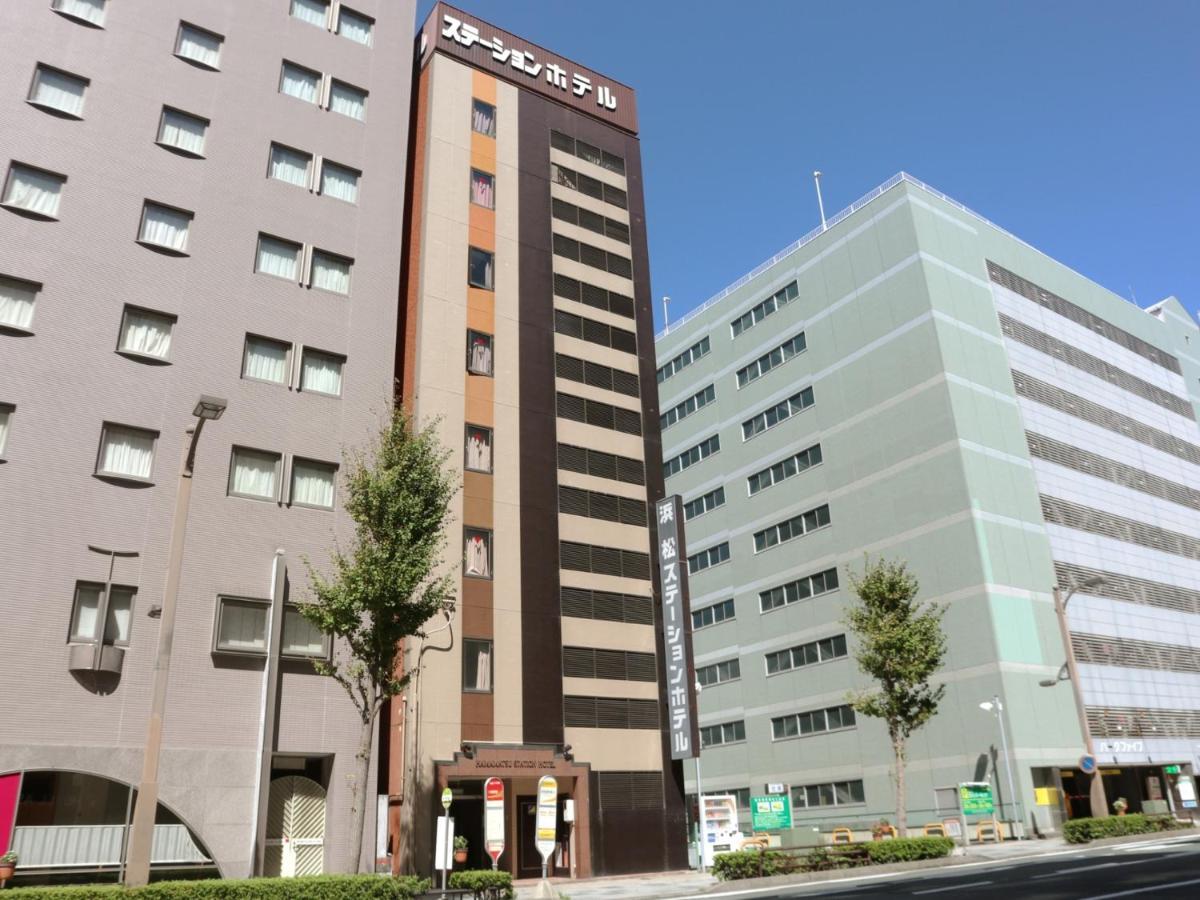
(1081, 831)
(318, 887)
(486, 884)
(761, 863)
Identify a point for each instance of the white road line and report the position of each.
(953, 887)
(1108, 865)
(1145, 890)
(1157, 845)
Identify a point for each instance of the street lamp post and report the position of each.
(699, 797)
(995, 706)
(141, 836)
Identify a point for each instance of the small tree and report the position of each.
(900, 647)
(384, 587)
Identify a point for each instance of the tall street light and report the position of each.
(700, 818)
(141, 836)
(995, 706)
(1070, 672)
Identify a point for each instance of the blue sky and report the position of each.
(1074, 125)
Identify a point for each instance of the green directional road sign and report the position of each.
(771, 813)
(975, 797)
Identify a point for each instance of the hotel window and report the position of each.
(126, 452)
(483, 118)
(299, 82)
(477, 553)
(797, 526)
(241, 628)
(808, 654)
(800, 589)
(199, 45)
(339, 182)
(709, 557)
(838, 793)
(483, 189)
(347, 100)
(728, 733)
(277, 257)
(312, 484)
(55, 89)
(321, 373)
(89, 11)
(479, 352)
(146, 333)
(719, 673)
(780, 412)
(17, 301)
(477, 666)
(479, 449)
(330, 272)
(355, 26)
(85, 615)
(314, 12)
(182, 131)
(34, 190)
(712, 615)
(254, 474)
(784, 469)
(292, 166)
(481, 268)
(165, 227)
(6, 412)
(265, 360)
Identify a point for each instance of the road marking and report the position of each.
(1157, 845)
(953, 887)
(1108, 865)
(1145, 890)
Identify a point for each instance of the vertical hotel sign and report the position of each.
(672, 576)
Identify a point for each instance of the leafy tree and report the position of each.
(900, 646)
(384, 587)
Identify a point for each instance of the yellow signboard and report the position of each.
(1046, 796)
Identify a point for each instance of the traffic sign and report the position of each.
(493, 818)
(1087, 764)
(447, 796)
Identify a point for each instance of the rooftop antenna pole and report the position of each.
(666, 311)
(820, 203)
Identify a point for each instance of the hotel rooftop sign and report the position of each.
(527, 65)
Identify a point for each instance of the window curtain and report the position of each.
(87, 612)
(330, 273)
(88, 10)
(146, 333)
(300, 636)
(127, 452)
(312, 484)
(321, 373)
(5, 414)
(481, 269)
(165, 227)
(265, 360)
(202, 47)
(16, 304)
(339, 183)
(61, 91)
(299, 83)
(184, 132)
(481, 355)
(37, 192)
(254, 474)
(243, 625)
(483, 119)
(277, 258)
(483, 191)
(120, 608)
(355, 27)
(483, 667)
(477, 561)
(479, 450)
(314, 12)
(289, 165)
(349, 101)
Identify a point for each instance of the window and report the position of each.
(596, 374)
(265, 360)
(697, 351)
(784, 469)
(600, 464)
(839, 793)
(712, 615)
(477, 553)
(347, 100)
(606, 606)
(277, 257)
(55, 89)
(591, 295)
(800, 589)
(477, 666)
(769, 361)
(302, 639)
(17, 301)
(594, 155)
(792, 528)
(591, 255)
(89, 11)
(254, 474)
(126, 452)
(163, 226)
(355, 26)
(339, 182)
(727, 733)
(780, 412)
(596, 505)
(330, 272)
(314, 12)
(693, 403)
(199, 45)
(609, 712)
(813, 722)
(719, 673)
(703, 504)
(34, 190)
(182, 131)
(321, 373)
(692, 455)
(808, 654)
(145, 333)
(89, 607)
(479, 353)
(603, 560)
(479, 449)
(602, 415)
(483, 118)
(483, 189)
(594, 332)
(481, 268)
(706, 559)
(241, 628)
(6, 411)
(312, 483)
(766, 308)
(614, 665)
(299, 82)
(585, 218)
(289, 165)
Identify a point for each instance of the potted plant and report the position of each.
(8, 862)
(1121, 805)
(460, 848)
(882, 829)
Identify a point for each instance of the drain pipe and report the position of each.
(266, 715)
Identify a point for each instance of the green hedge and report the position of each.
(317, 887)
(748, 864)
(754, 863)
(908, 849)
(486, 884)
(1080, 831)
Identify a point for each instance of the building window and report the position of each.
(692, 404)
(483, 118)
(165, 227)
(479, 353)
(594, 155)
(254, 474)
(321, 373)
(692, 455)
(313, 483)
(89, 11)
(17, 301)
(483, 189)
(34, 190)
(481, 268)
(146, 333)
(784, 469)
(182, 131)
(703, 504)
(330, 272)
(355, 26)
(815, 721)
(727, 733)
(838, 793)
(126, 452)
(55, 89)
(299, 82)
(800, 589)
(277, 257)
(292, 166)
(241, 628)
(265, 360)
(780, 412)
(719, 673)
(809, 654)
(712, 615)
(479, 449)
(339, 182)
(199, 45)
(766, 308)
(6, 412)
(790, 529)
(681, 361)
(706, 559)
(768, 361)
(477, 666)
(85, 617)
(314, 12)
(347, 100)
(477, 553)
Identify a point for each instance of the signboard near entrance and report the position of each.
(771, 813)
(975, 798)
(547, 817)
(493, 818)
(676, 621)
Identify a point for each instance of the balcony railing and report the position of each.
(45, 846)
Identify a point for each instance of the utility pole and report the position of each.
(699, 797)
(820, 202)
